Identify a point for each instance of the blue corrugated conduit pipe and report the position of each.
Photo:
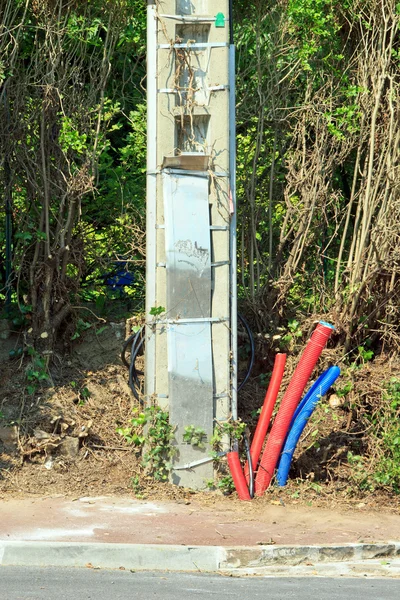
(315, 386)
(304, 412)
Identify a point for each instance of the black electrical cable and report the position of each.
(134, 381)
(135, 342)
(250, 363)
(134, 356)
(250, 464)
(129, 342)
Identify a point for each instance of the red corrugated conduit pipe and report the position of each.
(288, 405)
(266, 413)
(237, 475)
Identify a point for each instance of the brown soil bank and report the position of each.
(63, 439)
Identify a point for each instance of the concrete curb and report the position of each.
(351, 560)
(138, 557)
(264, 556)
(366, 568)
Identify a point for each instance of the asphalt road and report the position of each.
(23, 583)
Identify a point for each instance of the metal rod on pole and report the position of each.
(151, 195)
(231, 40)
(233, 223)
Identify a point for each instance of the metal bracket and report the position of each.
(212, 228)
(196, 463)
(213, 88)
(216, 396)
(195, 45)
(192, 320)
(221, 263)
(189, 19)
(186, 172)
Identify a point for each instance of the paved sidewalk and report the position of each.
(129, 521)
(124, 532)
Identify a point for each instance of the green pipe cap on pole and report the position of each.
(220, 20)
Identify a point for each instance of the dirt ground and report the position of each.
(63, 440)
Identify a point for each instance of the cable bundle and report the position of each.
(135, 342)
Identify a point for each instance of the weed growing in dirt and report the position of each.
(288, 341)
(83, 393)
(36, 372)
(226, 485)
(359, 473)
(382, 467)
(158, 451)
(80, 327)
(152, 431)
(134, 434)
(388, 437)
(136, 487)
(346, 389)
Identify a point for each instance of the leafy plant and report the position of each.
(264, 379)
(226, 485)
(84, 395)
(316, 487)
(81, 326)
(156, 311)
(294, 333)
(133, 434)
(36, 372)
(196, 436)
(346, 389)
(365, 354)
(255, 413)
(152, 431)
(387, 470)
(359, 471)
(158, 450)
(233, 430)
(137, 487)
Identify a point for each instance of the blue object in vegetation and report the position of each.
(120, 277)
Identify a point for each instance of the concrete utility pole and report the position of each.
(191, 223)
